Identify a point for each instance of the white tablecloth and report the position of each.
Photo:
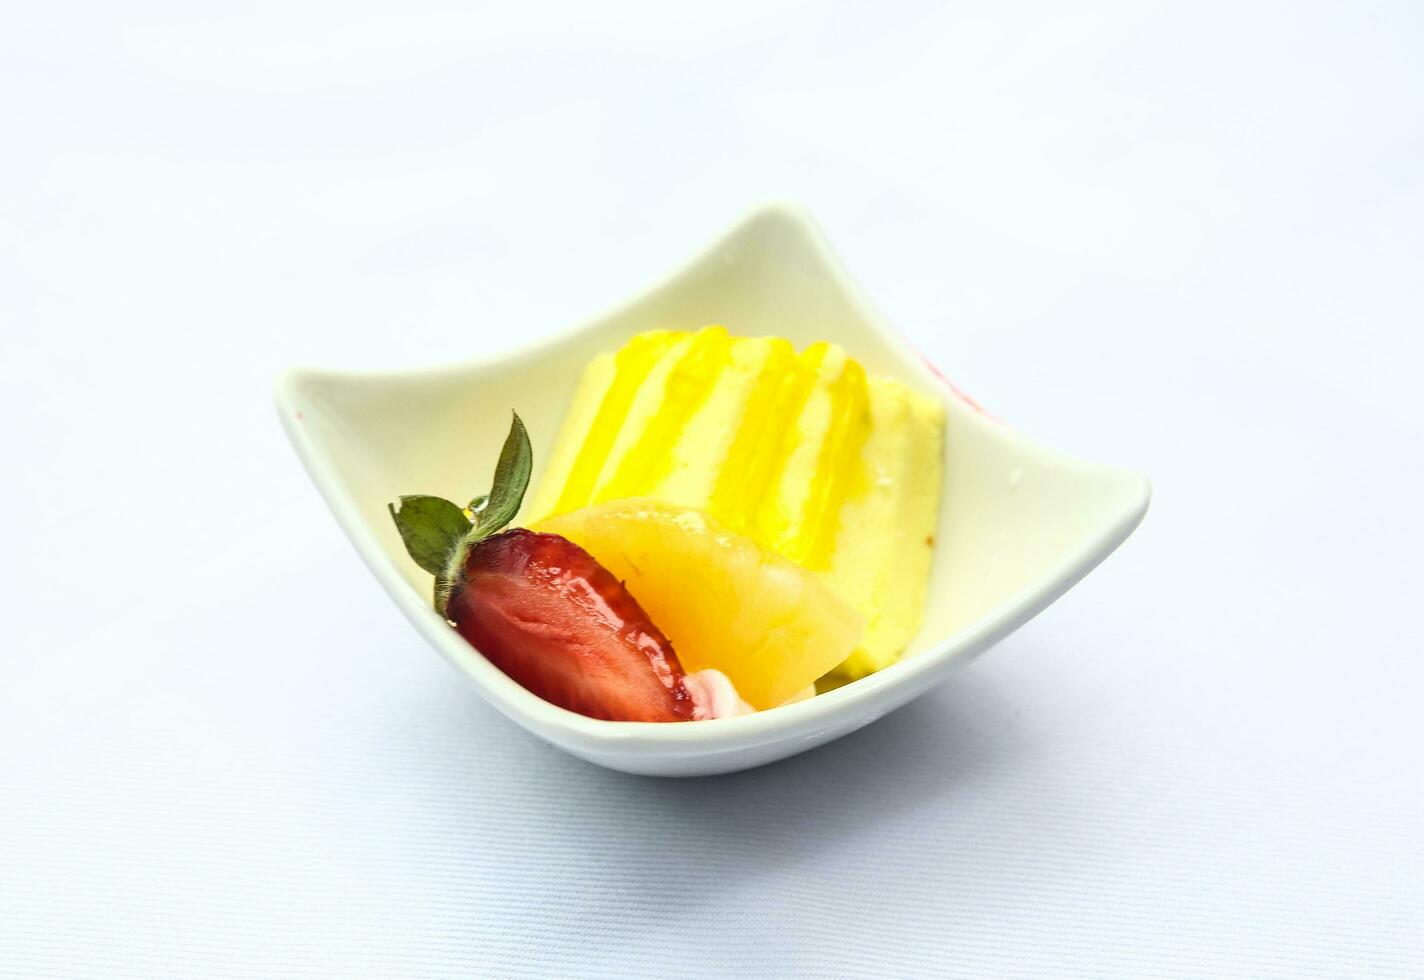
(1181, 237)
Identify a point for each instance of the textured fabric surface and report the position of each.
(1182, 237)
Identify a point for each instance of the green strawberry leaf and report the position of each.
(438, 534)
(432, 528)
(511, 480)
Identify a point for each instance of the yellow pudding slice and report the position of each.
(800, 451)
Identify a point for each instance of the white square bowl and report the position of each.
(1019, 524)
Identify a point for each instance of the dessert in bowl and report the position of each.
(781, 525)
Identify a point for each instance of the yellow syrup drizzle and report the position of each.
(766, 521)
(689, 384)
(839, 472)
(746, 472)
(632, 365)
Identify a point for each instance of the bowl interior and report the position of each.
(1014, 514)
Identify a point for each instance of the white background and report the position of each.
(1183, 237)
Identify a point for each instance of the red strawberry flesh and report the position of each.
(545, 612)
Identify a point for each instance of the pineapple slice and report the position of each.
(723, 600)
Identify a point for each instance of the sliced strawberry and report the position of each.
(550, 616)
